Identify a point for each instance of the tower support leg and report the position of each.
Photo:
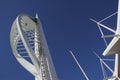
(38, 78)
(117, 66)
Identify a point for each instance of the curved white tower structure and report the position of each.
(30, 48)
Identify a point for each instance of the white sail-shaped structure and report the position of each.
(30, 48)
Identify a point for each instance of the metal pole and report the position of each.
(79, 65)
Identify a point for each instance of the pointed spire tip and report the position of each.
(36, 15)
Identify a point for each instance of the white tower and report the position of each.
(114, 45)
(30, 48)
(114, 48)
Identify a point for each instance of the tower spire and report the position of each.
(30, 47)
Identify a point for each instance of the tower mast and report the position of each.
(114, 46)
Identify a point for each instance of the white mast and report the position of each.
(117, 55)
(114, 46)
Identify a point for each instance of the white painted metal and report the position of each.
(110, 36)
(30, 47)
(79, 65)
(100, 31)
(102, 34)
(51, 70)
(103, 63)
(114, 45)
(108, 17)
(104, 26)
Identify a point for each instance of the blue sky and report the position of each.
(67, 27)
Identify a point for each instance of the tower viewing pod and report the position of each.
(30, 48)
